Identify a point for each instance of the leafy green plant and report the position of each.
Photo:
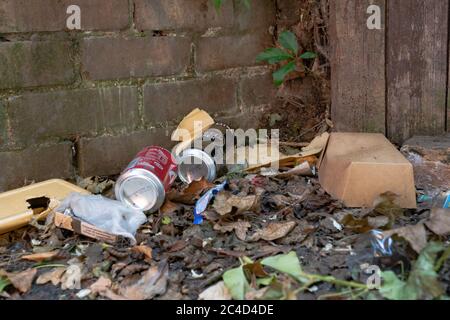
(422, 282)
(236, 282)
(287, 53)
(239, 285)
(4, 282)
(217, 3)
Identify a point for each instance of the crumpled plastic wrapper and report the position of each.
(109, 215)
(203, 202)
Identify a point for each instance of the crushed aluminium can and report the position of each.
(144, 182)
(195, 164)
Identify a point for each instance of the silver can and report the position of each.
(143, 184)
(195, 164)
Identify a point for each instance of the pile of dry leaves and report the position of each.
(262, 238)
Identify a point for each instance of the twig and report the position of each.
(294, 144)
(344, 293)
(330, 279)
(311, 129)
(55, 265)
(442, 259)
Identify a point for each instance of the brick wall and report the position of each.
(84, 102)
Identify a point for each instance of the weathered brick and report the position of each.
(258, 90)
(35, 163)
(230, 51)
(112, 58)
(109, 155)
(3, 130)
(172, 101)
(29, 64)
(181, 14)
(51, 15)
(37, 116)
(261, 14)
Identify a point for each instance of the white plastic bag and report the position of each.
(109, 215)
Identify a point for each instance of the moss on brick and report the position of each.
(11, 57)
(29, 64)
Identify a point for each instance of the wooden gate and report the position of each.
(392, 80)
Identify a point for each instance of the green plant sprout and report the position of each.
(288, 51)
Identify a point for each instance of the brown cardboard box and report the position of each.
(14, 208)
(83, 228)
(358, 167)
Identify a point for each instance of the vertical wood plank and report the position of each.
(357, 67)
(447, 119)
(417, 60)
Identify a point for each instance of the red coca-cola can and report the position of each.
(144, 182)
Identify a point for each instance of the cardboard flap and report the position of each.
(186, 130)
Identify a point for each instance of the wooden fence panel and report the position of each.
(358, 67)
(393, 80)
(417, 67)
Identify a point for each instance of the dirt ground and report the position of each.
(174, 259)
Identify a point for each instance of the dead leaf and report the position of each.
(132, 269)
(224, 203)
(439, 222)
(273, 231)
(101, 285)
(191, 193)
(386, 205)
(378, 222)
(53, 276)
(292, 161)
(367, 223)
(151, 284)
(168, 207)
(257, 294)
(95, 185)
(197, 187)
(22, 281)
(177, 246)
(316, 146)
(243, 203)
(230, 253)
(38, 257)
(239, 227)
(71, 278)
(307, 154)
(216, 292)
(303, 169)
(113, 296)
(255, 269)
(267, 250)
(146, 251)
(221, 205)
(357, 225)
(415, 235)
